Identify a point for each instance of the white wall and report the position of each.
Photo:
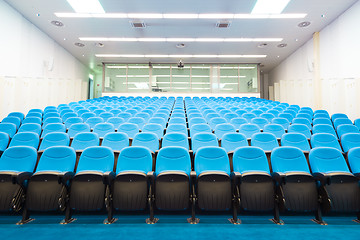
(339, 68)
(34, 70)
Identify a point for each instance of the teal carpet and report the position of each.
(176, 227)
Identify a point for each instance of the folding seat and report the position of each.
(116, 141)
(90, 187)
(82, 111)
(51, 115)
(321, 111)
(237, 122)
(300, 128)
(132, 111)
(267, 116)
(195, 115)
(77, 128)
(339, 188)
(98, 112)
(106, 116)
(51, 120)
(223, 112)
(215, 121)
(131, 185)
(92, 121)
(177, 128)
(340, 121)
(257, 112)
(34, 115)
(305, 115)
(249, 129)
(14, 120)
(177, 115)
(175, 139)
(248, 116)
(158, 120)
(72, 120)
(349, 141)
(324, 140)
(30, 139)
(261, 122)
(54, 139)
(264, 140)
(30, 127)
(197, 120)
(129, 128)
(36, 120)
(274, 112)
(295, 186)
(203, 140)
(115, 112)
(144, 116)
(317, 121)
(87, 115)
(240, 112)
(64, 111)
(48, 187)
(138, 121)
(321, 115)
(177, 120)
(210, 116)
(248, 109)
(199, 128)
(53, 127)
(231, 141)
(4, 142)
(295, 139)
(338, 115)
(230, 116)
(307, 109)
(84, 140)
(164, 116)
(16, 167)
(19, 115)
(288, 116)
(214, 188)
(148, 111)
(154, 128)
(324, 128)
(223, 128)
(68, 115)
(346, 128)
(253, 182)
(290, 111)
(276, 129)
(282, 121)
(36, 110)
(103, 128)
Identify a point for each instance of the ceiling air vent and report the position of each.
(223, 24)
(137, 24)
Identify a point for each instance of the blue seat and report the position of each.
(138, 121)
(321, 115)
(210, 116)
(116, 121)
(295, 139)
(91, 183)
(53, 127)
(300, 128)
(288, 116)
(346, 128)
(92, 121)
(196, 120)
(143, 115)
(321, 120)
(84, 140)
(162, 115)
(4, 141)
(72, 120)
(87, 115)
(296, 187)
(257, 112)
(237, 122)
(305, 115)
(353, 157)
(154, 128)
(158, 120)
(321, 111)
(324, 140)
(276, 129)
(103, 128)
(215, 121)
(249, 116)
(240, 112)
(274, 112)
(303, 121)
(261, 122)
(324, 128)
(230, 116)
(115, 112)
(338, 115)
(175, 139)
(34, 115)
(106, 115)
(30, 127)
(46, 189)
(290, 111)
(256, 185)
(19, 115)
(16, 166)
(267, 116)
(12, 119)
(146, 139)
(339, 187)
(231, 141)
(131, 129)
(177, 120)
(30, 139)
(181, 128)
(350, 140)
(98, 112)
(54, 139)
(177, 115)
(223, 128)
(265, 141)
(78, 128)
(69, 115)
(249, 129)
(36, 110)
(51, 115)
(282, 121)
(116, 141)
(203, 139)
(51, 120)
(340, 121)
(36, 120)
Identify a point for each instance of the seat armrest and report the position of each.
(278, 177)
(66, 176)
(21, 177)
(108, 177)
(235, 175)
(193, 175)
(322, 178)
(357, 175)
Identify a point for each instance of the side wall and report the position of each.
(35, 71)
(339, 82)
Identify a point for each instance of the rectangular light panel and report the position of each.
(269, 6)
(86, 6)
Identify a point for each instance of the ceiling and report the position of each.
(319, 13)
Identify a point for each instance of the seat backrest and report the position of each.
(54, 139)
(229, 116)
(324, 128)
(264, 140)
(158, 120)
(211, 159)
(87, 115)
(84, 140)
(30, 127)
(19, 115)
(322, 120)
(115, 140)
(68, 115)
(203, 139)
(303, 121)
(106, 116)
(4, 141)
(53, 127)
(99, 111)
(305, 115)
(51, 115)
(134, 159)
(250, 159)
(103, 128)
(92, 121)
(170, 159)
(177, 128)
(288, 116)
(295, 139)
(261, 122)
(300, 128)
(282, 121)
(237, 122)
(58, 159)
(116, 121)
(30, 139)
(249, 116)
(96, 158)
(196, 120)
(18, 159)
(154, 128)
(138, 121)
(177, 120)
(340, 121)
(131, 129)
(223, 128)
(267, 116)
(12, 119)
(276, 129)
(143, 115)
(289, 159)
(274, 112)
(175, 139)
(115, 112)
(215, 121)
(350, 140)
(240, 112)
(51, 120)
(249, 129)
(231, 141)
(327, 160)
(346, 128)
(324, 140)
(72, 120)
(146, 139)
(77, 128)
(338, 115)
(36, 120)
(354, 160)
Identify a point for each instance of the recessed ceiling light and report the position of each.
(99, 44)
(282, 45)
(296, 40)
(79, 44)
(304, 24)
(322, 15)
(262, 45)
(102, 39)
(176, 56)
(64, 39)
(180, 45)
(83, 55)
(38, 14)
(86, 6)
(57, 23)
(278, 56)
(269, 7)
